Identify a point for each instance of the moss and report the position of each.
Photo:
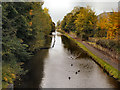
(107, 67)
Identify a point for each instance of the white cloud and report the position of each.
(59, 8)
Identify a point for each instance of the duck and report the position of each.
(71, 57)
(69, 78)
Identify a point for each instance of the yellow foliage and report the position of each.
(46, 10)
(13, 75)
(10, 80)
(30, 23)
(30, 12)
(109, 22)
(21, 40)
(5, 79)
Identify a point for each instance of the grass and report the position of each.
(107, 67)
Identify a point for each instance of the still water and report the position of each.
(65, 65)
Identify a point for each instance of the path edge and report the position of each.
(110, 70)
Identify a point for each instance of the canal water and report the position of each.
(65, 65)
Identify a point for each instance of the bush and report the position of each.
(109, 44)
(102, 43)
(84, 37)
(19, 29)
(9, 71)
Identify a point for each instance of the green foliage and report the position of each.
(58, 24)
(81, 20)
(68, 23)
(85, 22)
(52, 27)
(63, 23)
(22, 23)
(10, 70)
(12, 46)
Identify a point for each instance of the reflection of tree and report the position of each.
(33, 77)
(53, 42)
(73, 48)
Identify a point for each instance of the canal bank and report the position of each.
(65, 62)
(110, 70)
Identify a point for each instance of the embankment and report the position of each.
(110, 70)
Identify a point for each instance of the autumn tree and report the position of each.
(102, 25)
(108, 26)
(81, 20)
(113, 31)
(67, 24)
(85, 22)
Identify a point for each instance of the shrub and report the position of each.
(9, 71)
(102, 43)
(109, 44)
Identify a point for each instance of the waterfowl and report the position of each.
(69, 78)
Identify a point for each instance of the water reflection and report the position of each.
(68, 66)
(65, 66)
(73, 48)
(35, 68)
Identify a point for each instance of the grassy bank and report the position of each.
(107, 67)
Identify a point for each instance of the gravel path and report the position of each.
(100, 54)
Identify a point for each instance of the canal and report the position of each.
(65, 65)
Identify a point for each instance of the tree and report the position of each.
(85, 22)
(63, 23)
(102, 25)
(113, 29)
(58, 24)
(108, 26)
(53, 27)
(68, 23)
(23, 24)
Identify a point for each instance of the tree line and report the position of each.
(85, 23)
(22, 23)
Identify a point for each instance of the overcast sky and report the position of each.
(59, 8)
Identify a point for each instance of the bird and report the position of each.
(71, 57)
(71, 64)
(78, 70)
(75, 72)
(69, 78)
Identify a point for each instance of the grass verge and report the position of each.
(107, 67)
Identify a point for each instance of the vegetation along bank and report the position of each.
(82, 23)
(25, 27)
